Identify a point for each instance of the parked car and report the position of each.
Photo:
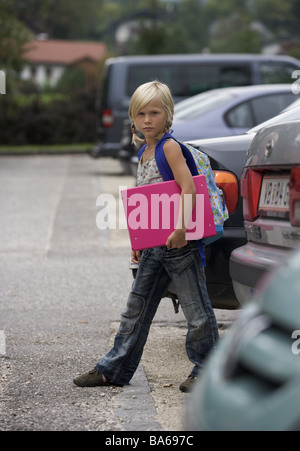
(227, 157)
(186, 75)
(251, 380)
(293, 105)
(219, 112)
(270, 187)
(229, 111)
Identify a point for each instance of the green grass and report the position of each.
(44, 98)
(45, 149)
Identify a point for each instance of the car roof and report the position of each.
(223, 96)
(239, 90)
(213, 57)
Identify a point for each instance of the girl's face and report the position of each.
(151, 120)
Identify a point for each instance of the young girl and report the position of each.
(151, 112)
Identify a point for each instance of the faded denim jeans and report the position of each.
(158, 266)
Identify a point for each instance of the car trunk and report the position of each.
(271, 187)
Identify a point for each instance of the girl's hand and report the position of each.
(177, 239)
(136, 256)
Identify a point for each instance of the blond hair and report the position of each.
(142, 96)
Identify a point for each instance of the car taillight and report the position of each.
(107, 118)
(295, 196)
(250, 187)
(229, 185)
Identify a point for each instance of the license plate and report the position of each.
(274, 194)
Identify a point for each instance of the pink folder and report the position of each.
(152, 212)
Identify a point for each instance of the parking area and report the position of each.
(64, 284)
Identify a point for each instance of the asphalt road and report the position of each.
(63, 285)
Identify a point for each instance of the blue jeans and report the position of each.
(158, 266)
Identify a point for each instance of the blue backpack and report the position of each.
(198, 163)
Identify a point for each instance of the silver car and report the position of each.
(270, 187)
(251, 380)
(229, 111)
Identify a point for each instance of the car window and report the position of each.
(240, 116)
(202, 77)
(268, 106)
(188, 79)
(276, 72)
(258, 110)
(287, 116)
(201, 104)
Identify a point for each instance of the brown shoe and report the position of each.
(93, 379)
(188, 385)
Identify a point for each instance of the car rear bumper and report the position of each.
(249, 264)
(218, 279)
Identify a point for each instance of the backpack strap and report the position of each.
(162, 162)
(160, 158)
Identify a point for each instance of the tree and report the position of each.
(73, 19)
(181, 30)
(235, 35)
(281, 18)
(277, 15)
(13, 36)
(193, 20)
(68, 19)
(32, 13)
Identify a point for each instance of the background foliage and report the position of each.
(190, 23)
(162, 26)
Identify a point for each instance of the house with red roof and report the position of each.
(45, 60)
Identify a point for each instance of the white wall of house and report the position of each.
(42, 74)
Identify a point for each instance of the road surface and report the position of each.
(63, 286)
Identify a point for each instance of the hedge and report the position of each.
(61, 121)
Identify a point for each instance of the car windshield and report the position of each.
(201, 104)
(286, 116)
